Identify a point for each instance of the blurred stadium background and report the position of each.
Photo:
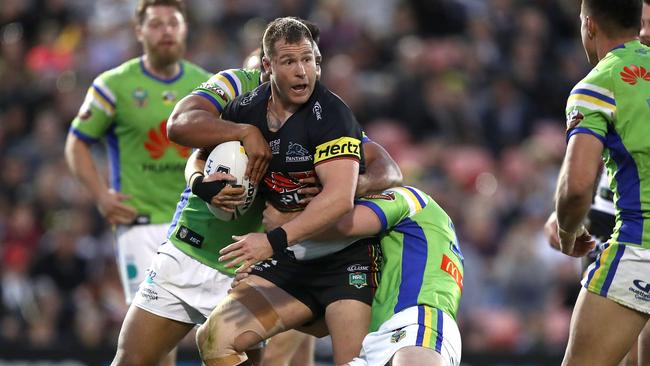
(467, 95)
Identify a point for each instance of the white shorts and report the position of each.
(136, 247)
(181, 288)
(404, 330)
(620, 273)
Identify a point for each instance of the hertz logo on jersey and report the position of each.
(341, 148)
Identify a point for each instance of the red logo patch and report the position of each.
(158, 143)
(450, 267)
(633, 73)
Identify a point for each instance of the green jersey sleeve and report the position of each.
(225, 86)
(591, 105)
(97, 111)
(395, 204)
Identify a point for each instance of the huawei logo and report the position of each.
(632, 73)
(158, 143)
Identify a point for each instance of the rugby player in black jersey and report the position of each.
(311, 132)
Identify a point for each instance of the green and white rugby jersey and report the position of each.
(423, 264)
(128, 107)
(612, 103)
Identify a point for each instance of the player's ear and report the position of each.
(138, 32)
(592, 27)
(266, 63)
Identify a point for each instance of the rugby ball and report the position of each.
(230, 157)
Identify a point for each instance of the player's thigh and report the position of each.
(254, 311)
(348, 322)
(146, 338)
(598, 320)
(644, 346)
(136, 247)
(289, 346)
(417, 356)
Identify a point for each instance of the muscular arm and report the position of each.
(381, 171)
(339, 180)
(81, 164)
(196, 122)
(576, 181)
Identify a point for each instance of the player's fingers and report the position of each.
(220, 176)
(306, 200)
(310, 191)
(244, 267)
(230, 248)
(124, 210)
(236, 262)
(121, 196)
(258, 169)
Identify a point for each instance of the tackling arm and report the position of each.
(381, 171)
(196, 122)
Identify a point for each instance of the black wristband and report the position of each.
(278, 239)
(207, 190)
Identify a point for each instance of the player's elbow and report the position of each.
(575, 192)
(343, 205)
(175, 126)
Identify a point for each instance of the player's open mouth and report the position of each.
(299, 88)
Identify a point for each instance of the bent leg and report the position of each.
(417, 356)
(161, 335)
(600, 321)
(348, 322)
(254, 311)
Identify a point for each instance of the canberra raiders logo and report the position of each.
(140, 97)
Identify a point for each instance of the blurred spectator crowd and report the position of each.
(467, 95)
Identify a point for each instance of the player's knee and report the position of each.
(203, 339)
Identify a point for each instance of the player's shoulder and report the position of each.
(125, 70)
(193, 70)
(250, 102)
(326, 105)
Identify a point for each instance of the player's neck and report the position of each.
(608, 44)
(279, 108)
(161, 70)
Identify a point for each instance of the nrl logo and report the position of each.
(358, 280)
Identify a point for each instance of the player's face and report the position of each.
(293, 71)
(644, 35)
(587, 40)
(162, 34)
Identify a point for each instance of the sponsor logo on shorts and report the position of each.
(357, 268)
(397, 336)
(148, 294)
(641, 290)
(358, 280)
